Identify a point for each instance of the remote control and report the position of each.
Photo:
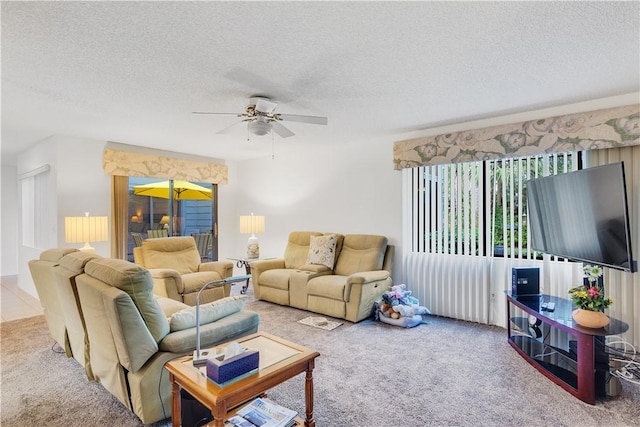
(543, 306)
(551, 306)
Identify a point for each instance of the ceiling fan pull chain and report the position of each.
(273, 154)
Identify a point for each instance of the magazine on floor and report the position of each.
(263, 413)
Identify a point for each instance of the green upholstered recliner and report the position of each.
(132, 332)
(43, 280)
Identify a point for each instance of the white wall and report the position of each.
(77, 184)
(9, 223)
(344, 189)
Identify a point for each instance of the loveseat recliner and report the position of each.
(132, 333)
(327, 273)
(177, 270)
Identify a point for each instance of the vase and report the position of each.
(590, 319)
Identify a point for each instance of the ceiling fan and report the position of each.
(261, 118)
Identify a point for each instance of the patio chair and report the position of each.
(203, 242)
(156, 234)
(137, 239)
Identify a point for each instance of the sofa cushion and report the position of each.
(361, 252)
(178, 253)
(277, 278)
(297, 249)
(76, 261)
(211, 312)
(322, 250)
(329, 286)
(193, 282)
(135, 281)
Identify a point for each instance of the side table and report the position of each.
(246, 263)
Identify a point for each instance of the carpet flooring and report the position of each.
(442, 373)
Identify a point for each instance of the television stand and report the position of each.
(571, 356)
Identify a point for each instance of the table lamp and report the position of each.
(79, 229)
(252, 224)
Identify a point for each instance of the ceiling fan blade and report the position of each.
(314, 120)
(281, 130)
(221, 114)
(228, 128)
(265, 106)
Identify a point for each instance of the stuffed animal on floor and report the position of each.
(399, 308)
(388, 311)
(410, 310)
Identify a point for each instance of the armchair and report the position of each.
(177, 271)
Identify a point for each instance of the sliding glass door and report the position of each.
(159, 208)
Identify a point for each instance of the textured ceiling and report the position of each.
(133, 72)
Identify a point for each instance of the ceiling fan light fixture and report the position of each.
(259, 128)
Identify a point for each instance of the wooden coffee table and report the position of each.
(280, 360)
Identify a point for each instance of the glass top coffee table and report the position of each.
(280, 360)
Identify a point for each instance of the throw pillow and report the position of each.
(216, 310)
(322, 250)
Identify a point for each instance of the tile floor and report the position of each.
(16, 303)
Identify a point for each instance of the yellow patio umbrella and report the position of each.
(182, 190)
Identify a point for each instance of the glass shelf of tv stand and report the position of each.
(561, 317)
(551, 342)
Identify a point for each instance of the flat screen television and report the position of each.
(582, 216)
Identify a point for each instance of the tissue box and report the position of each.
(222, 371)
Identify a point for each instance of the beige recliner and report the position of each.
(43, 280)
(347, 288)
(177, 271)
(133, 333)
(64, 280)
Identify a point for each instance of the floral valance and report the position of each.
(607, 128)
(131, 163)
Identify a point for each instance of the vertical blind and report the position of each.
(478, 208)
(35, 213)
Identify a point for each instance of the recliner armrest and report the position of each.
(167, 283)
(259, 267)
(213, 333)
(223, 268)
(363, 278)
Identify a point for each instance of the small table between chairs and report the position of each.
(246, 263)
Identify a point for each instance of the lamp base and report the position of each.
(88, 249)
(253, 249)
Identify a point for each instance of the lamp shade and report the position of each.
(251, 224)
(85, 229)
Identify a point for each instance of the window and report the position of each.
(479, 208)
(35, 212)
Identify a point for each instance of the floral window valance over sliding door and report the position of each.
(607, 128)
(124, 160)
